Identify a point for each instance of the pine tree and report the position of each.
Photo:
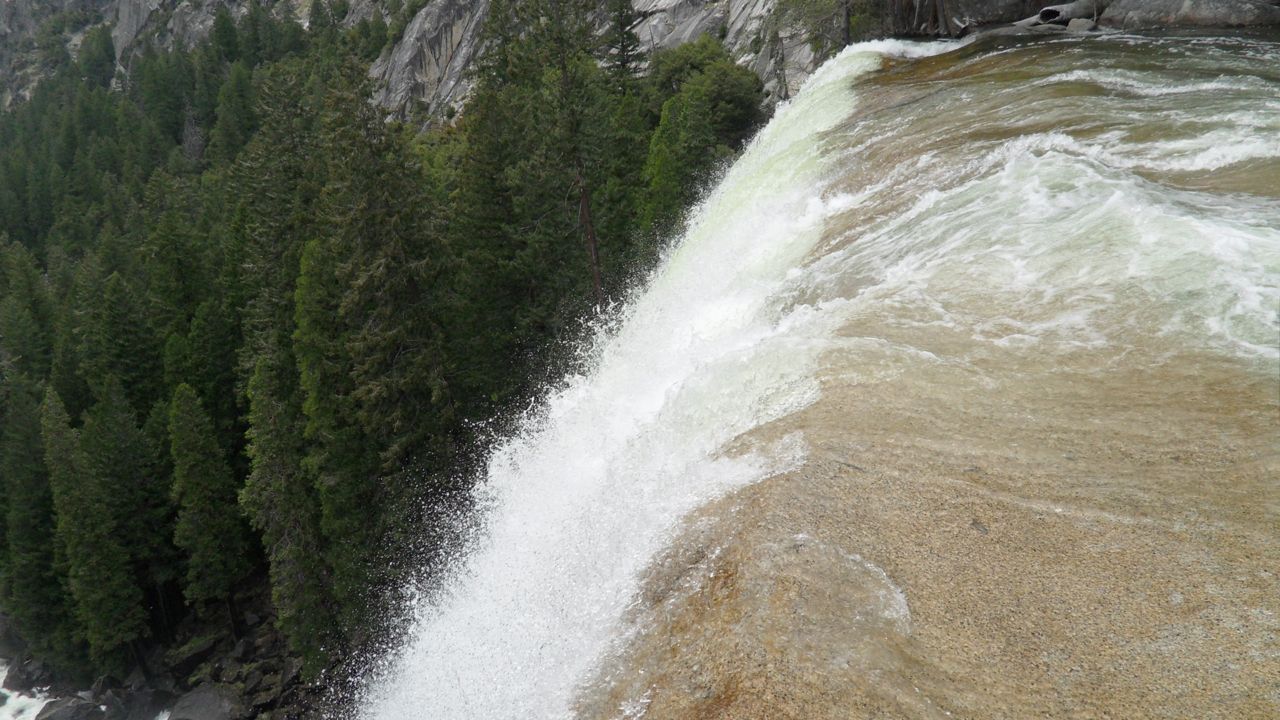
(280, 499)
(622, 49)
(24, 347)
(224, 37)
(711, 106)
(33, 585)
(117, 341)
(97, 58)
(120, 456)
(108, 604)
(210, 528)
(277, 180)
(680, 153)
(368, 343)
(235, 116)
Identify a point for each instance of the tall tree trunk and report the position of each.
(589, 234)
(233, 614)
(944, 23)
(166, 629)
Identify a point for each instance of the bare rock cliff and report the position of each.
(427, 68)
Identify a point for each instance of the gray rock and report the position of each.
(252, 681)
(292, 671)
(1070, 11)
(1137, 14)
(131, 16)
(136, 705)
(184, 660)
(242, 649)
(207, 702)
(103, 684)
(675, 22)
(1080, 25)
(72, 708)
(428, 66)
(23, 676)
(968, 14)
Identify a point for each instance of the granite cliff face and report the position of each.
(182, 23)
(1137, 14)
(426, 69)
(26, 39)
(20, 51)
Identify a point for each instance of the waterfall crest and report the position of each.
(989, 222)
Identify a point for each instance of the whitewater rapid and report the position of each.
(987, 217)
(583, 496)
(17, 706)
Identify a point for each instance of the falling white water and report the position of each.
(586, 493)
(1084, 205)
(17, 706)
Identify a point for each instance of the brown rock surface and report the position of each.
(1067, 542)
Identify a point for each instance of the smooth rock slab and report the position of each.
(72, 708)
(1134, 14)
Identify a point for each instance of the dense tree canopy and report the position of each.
(248, 327)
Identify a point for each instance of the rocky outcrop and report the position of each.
(169, 24)
(20, 23)
(982, 12)
(72, 708)
(1138, 14)
(916, 18)
(779, 54)
(207, 702)
(428, 67)
(131, 17)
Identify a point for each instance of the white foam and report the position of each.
(18, 706)
(588, 490)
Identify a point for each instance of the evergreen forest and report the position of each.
(253, 335)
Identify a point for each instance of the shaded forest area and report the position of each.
(251, 333)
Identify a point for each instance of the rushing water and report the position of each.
(1001, 209)
(17, 706)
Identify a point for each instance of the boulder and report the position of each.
(1082, 25)
(103, 684)
(242, 649)
(135, 705)
(252, 681)
(22, 677)
(292, 670)
(207, 702)
(230, 670)
(1079, 9)
(72, 708)
(184, 660)
(1137, 14)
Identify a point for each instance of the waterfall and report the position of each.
(585, 493)
(978, 223)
